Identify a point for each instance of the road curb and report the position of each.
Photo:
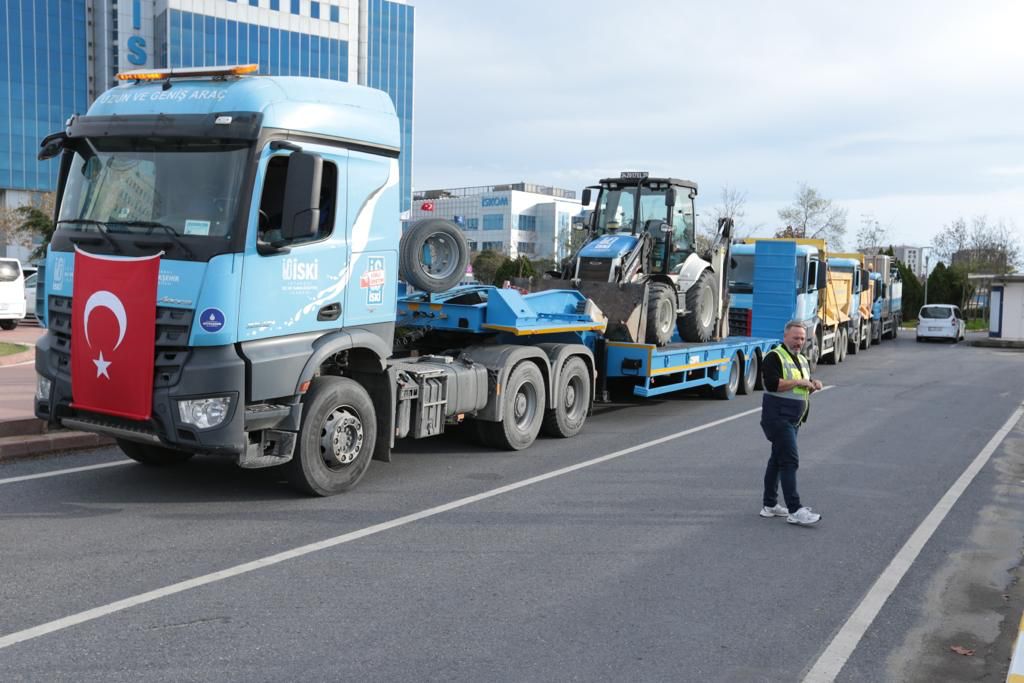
(28, 438)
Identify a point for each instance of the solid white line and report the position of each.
(832, 660)
(142, 598)
(70, 470)
(18, 365)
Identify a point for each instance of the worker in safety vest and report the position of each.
(786, 375)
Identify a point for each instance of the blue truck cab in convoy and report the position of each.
(283, 333)
(786, 278)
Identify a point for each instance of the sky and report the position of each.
(911, 112)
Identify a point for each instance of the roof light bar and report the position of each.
(192, 72)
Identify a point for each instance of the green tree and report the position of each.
(947, 286)
(513, 268)
(36, 222)
(485, 265)
(913, 292)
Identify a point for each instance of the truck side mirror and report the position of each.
(822, 276)
(670, 197)
(300, 215)
(585, 199)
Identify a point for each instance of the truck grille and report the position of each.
(171, 349)
(595, 269)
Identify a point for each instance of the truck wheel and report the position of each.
(336, 440)
(727, 391)
(853, 345)
(154, 456)
(566, 417)
(8, 324)
(661, 313)
(750, 375)
(841, 347)
(812, 354)
(433, 255)
(523, 410)
(698, 325)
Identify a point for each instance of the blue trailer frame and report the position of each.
(564, 315)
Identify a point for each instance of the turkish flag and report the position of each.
(113, 334)
(427, 206)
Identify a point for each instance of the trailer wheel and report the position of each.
(336, 439)
(727, 391)
(565, 419)
(154, 456)
(698, 325)
(661, 313)
(433, 255)
(523, 410)
(750, 375)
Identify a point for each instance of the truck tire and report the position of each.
(336, 439)
(523, 414)
(661, 313)
(727, 391)
(812, 353)
(153, 456)
(750, 375)
(572, 400)
(698, 325)
(433, 255)
(853, 345)
(841, 347)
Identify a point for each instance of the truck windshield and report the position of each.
(182, 187)
(741, 274)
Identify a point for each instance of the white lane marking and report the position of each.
(18, 365)
(832, 660)
(182, 586)
(70, 470)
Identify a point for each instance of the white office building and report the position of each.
(518, 219)
(911, 257)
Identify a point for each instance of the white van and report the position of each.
(12, 293)
(940, 321)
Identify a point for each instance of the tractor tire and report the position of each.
(336, 439)
(433, 255)
(698, 325)
(572, 403)
(750, 375)
(523, 414)
(152, 456)
(661, 313)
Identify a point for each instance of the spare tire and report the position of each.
(433, 255)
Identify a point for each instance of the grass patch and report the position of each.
(975, 325)
(7, 349)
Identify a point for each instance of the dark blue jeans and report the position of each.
(783, 464)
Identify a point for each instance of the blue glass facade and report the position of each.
(389, 62)
(43, 80)
(201, 40)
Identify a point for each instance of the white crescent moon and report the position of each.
(108, 300)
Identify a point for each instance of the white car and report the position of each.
(12, 293)
(30, 296)
(940, 321)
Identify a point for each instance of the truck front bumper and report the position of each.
(203, 372)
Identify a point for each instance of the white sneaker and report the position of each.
(777, 511)
(804, 517)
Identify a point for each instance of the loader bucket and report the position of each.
(624, 305)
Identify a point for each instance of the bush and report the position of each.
(513, 268)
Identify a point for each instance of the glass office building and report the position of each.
(43, 67)
(50, 67)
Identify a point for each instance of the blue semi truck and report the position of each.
(284, 334)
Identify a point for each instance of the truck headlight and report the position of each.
(43, 386)
(204, 413)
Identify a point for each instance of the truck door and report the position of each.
(295, 286)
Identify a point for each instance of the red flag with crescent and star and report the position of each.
(113, 331)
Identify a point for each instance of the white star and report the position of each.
(101, 367)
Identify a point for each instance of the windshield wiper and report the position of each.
(100, 225)
(171, 232)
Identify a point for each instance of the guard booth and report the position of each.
(1006, 308)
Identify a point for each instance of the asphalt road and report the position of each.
(652, 565)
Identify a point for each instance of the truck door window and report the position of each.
(272, 201)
